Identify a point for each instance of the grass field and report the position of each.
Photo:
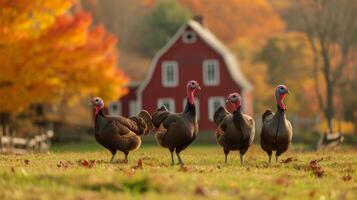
(82, 171)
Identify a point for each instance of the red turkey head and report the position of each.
(235, 99)
(280, 92)
(192, 86)
(98, 104)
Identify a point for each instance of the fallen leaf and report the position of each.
(26, 162)
(86, 163)
(289, 159)
(183, 168)
(282, 181)
(316, 168)
(347, 177)
(139, 165)
(199, 190)
(12, 169)
(312, 193)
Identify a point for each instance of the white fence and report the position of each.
(17, 145)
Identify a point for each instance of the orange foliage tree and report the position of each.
(48, 53)
(237, 20)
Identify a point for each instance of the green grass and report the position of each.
(59, 175)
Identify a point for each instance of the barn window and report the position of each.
(211, 72)
(189, 37)
(213, 104)
(115, 108)
(197, 104)
(169, 74)
(132, 108)
(168, 102)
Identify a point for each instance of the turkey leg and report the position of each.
(172, 158)
(179, 158)
(113, 156)
(241, 159)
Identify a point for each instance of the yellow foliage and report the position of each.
(339, 126)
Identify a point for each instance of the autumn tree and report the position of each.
(288, 58)
(49, 54)
(159, 25)
(240, 21)
(330, 26)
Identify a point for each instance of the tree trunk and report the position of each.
(329, 110)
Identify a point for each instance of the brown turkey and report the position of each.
(277, 131)
(176, 131)
(235, 132)
(118, 133)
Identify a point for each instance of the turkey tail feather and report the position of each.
(267, 113)
(220, 114)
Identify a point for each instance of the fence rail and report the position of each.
(18, 145)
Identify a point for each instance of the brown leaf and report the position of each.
(312, 193)
(289, 159)
(62, 164)
(316, 168)
(183, 168)
(199, 190)
(347, 177)
(139, 165)
(86, 163)
(282, 181)
(12, 169)
(26, 162)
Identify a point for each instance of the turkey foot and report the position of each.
(180, 160)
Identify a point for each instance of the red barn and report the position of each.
(192, 53)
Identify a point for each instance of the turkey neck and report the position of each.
(98, 118)
(238, 118)
(190, 111)
(280, 118)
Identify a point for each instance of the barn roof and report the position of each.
(213, 42)
(229, 58)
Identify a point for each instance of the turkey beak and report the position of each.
(198, 87)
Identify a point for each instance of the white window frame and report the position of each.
(164, 67)
(170, 101)
(191, 40)
(197, 105)
(211, 109)
(133, 110)
(119, 106)
(206, 64)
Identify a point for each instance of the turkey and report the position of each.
(117, 133)
(277, 131)
(234, 131)
(176, 131)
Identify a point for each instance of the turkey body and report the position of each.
(176, 131)
(276, 133)
(235, 132)
(117, 133)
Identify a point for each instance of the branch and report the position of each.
(316, 78)
(341, 66)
